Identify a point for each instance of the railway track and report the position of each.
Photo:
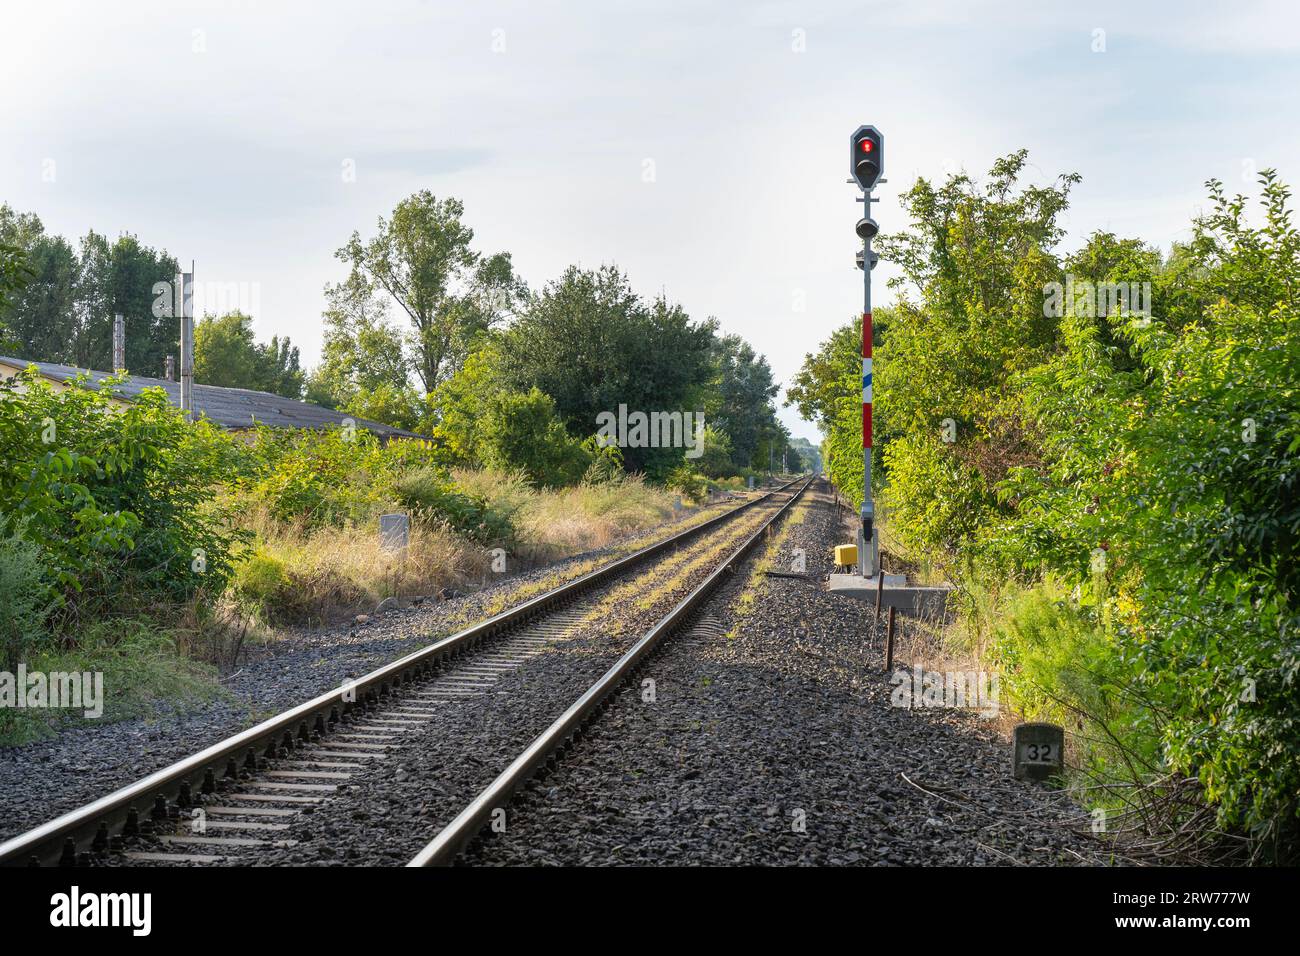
(544, 750)
(237, 798)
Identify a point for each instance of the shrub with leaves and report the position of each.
(1146, 459)
(261, 586)
(1174, 462)
(687, 482)
(23, 599)
(115, 495)
(334, 477)
(431, 496)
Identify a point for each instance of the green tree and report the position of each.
(42, 314)
(715, 460)
(522, 432)
(971, 310)
(773, 443)
(363, 369)
(810, 456)
(91, 344)
(590, 343)
(226, 354)
(64, 313)
(460, 405)
(483, 422)
(969, 315)
(1175, 447)
(279, 370)
(743, 406)
(14, 274)
(134, 269)
(830, 376)
(423, 260)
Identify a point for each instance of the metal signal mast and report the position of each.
(867, 165)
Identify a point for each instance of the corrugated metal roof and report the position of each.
(228, 407)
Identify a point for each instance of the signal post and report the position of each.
(867, 165)
(870, 583)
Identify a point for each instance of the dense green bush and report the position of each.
(714, 460)
(485, 423)
(115, 496)
(522, 431)
(1133, 475)
(431, 496)
(606, 462)
(932, 497)
(330, 478)
(687, 482)
(23, 600)
(261, 586)
(1174, 459)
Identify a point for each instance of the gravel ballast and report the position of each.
(779, 745)
(48, 777)
(769, 735)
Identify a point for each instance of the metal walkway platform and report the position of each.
(915, 600)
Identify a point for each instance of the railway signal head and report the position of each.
(867, 228)
(866, 156)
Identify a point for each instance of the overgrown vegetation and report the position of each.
(128, 517)
(1102, 449)
(119, 516)
(105, 515)
(114, 497)
(122, 514)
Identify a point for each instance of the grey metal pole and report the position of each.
(187, 341)
(119, 343)
(867, 545)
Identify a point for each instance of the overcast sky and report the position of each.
(700, 146)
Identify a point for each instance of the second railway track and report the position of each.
(244, 800)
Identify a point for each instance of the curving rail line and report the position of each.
(64, 839)
(453, 838)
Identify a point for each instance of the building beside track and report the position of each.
(235, 409)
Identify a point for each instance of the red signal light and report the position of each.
(866, 156)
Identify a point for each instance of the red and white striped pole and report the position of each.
(866, 382)
(868, 546)
(866, 164)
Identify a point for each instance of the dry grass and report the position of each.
(566, 521)
(315, 576)
(337, 571)
(669, 576)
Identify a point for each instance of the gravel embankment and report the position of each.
(386, 813)
(780, 746)
(43, 779)
(771, 739)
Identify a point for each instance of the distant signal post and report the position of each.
(866, 166)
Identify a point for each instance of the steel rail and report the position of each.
(91, 824)
(456, 835)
